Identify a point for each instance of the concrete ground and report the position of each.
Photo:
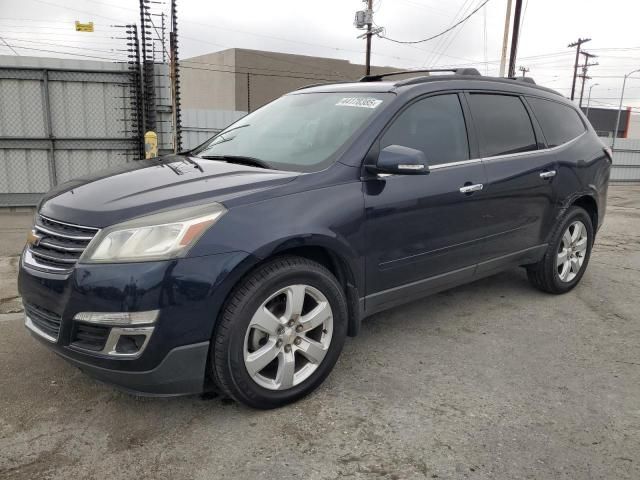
(493, 380)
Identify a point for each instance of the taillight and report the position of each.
(609, 153)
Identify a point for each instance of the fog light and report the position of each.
(130, 344)
(118, 318)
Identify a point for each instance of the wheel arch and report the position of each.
(336, 258)
(589, 203)
(328, 252)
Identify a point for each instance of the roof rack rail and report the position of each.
(320, 84)
(455, 71)
(525, 79)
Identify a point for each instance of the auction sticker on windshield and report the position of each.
(361, 102)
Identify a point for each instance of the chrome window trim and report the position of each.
(32, 327)
(541, 150)
(509, 155)
(455, 164)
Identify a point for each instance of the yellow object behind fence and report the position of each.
(84, 27)
(150, 144)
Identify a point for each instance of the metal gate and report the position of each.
(61, 123)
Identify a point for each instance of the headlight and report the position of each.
(154, 237)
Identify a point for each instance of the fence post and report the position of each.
(49, 128)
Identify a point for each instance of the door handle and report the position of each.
(471, 188)
(548, 174)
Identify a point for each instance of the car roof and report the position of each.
(436, 81)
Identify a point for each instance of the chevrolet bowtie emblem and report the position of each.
(33, 239)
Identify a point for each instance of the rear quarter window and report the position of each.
(560, 123)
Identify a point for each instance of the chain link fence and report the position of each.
(57, 124)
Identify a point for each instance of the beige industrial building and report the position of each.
(243, 80)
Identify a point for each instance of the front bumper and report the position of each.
(188, 293)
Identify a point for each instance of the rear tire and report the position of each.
(280, 334)
(567, 255)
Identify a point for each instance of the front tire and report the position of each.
(567, 255)
(280, 334)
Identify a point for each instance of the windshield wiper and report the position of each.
(190, 160)
(251, 161)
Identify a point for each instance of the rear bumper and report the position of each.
(188, 293)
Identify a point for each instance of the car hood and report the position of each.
(145, 186)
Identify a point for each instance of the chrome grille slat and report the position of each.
(56, 246)
(54, 259)
(46, 322)
(60, 246)
(53, 233)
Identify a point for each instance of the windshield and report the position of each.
(300, 132)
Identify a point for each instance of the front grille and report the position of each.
(89, 337)
(43, 319)
(60, 244)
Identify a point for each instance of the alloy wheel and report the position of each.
(288, 337)
(572, 251)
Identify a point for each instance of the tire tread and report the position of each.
(236, 300)
(542, 274)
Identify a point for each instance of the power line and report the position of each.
(113, 43)
(259, 74)
(63, 53)
(10, 47)
(59, 45)
(182, 62)
(438, 47)
(441, 33)
(448, 40)
(93, 14)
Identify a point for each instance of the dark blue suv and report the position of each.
(243, 264)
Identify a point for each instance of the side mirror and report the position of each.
(399, 160)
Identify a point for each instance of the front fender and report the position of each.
(330, 217)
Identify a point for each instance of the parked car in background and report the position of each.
(242, 265)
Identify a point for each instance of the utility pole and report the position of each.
(364, 21)
(615, 132)
(524, 71)
(589, 99)
(578, 45)
(514, 39)
(584, 75)
(505, 38)
(369, 25)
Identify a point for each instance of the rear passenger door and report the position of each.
(520, 172)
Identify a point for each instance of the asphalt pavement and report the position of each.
(492, 380)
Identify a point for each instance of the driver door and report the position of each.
(423, 231)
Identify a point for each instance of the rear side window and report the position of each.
(503, 124)
(434, 125)
(559, 123)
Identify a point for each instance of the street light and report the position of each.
(615, 132)
(589, 99)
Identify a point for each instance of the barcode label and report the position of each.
(360, 102)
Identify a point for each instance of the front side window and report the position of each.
(503, 124)
(299, 132)
(560, 123)
(434, 125)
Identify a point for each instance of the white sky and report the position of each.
(325, 28)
